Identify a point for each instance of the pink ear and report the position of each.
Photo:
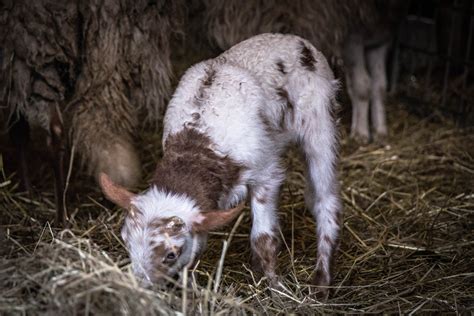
(216, 219)
(115, 193)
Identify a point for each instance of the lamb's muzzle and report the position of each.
(225, 130)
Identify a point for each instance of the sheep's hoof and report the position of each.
(380, 139)
(361, 139)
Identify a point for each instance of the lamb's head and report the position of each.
(163, 232)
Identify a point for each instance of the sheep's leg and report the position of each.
(265, 230)
(358, 87)
(19, 133)
(376, 59)
(57, 147)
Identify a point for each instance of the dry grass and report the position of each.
(407, 242)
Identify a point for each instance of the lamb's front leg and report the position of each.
(265, 230)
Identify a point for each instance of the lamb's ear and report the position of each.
(215, 219)
(115, 193)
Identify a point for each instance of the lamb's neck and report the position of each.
(190, 167)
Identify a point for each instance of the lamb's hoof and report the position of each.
(277, 284)
(276, 287)
(321, 294)
(256, 265)
(321, 283)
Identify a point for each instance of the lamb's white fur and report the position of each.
(155, 204)
(241, 112)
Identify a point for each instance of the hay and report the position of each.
(407, 243)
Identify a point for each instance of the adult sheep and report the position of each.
(85, 71)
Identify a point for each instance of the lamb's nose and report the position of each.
(143, 280)
(142, 277)
(144, 283)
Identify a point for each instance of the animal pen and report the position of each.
(407, 241)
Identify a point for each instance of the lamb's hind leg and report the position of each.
(324, 198)
(313, 96)
(323, 201)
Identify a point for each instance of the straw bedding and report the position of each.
(407, 243)
(407, 240)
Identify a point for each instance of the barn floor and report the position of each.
(407, 243)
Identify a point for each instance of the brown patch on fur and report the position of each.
(320, 278)
(307, 59)
(158, 253)
(157, 224)
(281, 67)
(206, 84)
(269, 127)
(283, 94)
(159, 250)
(189, 166)
(327, 239)
(211, 75)
(264, 253)
(261, 200)
(163, 225)
(281, 124)
(158, 257)
(191, 124)
(155, 234)
(289, 110)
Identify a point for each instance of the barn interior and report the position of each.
(407, 241)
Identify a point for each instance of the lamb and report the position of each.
(79, 70)
(357, 31)
(225, 129)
